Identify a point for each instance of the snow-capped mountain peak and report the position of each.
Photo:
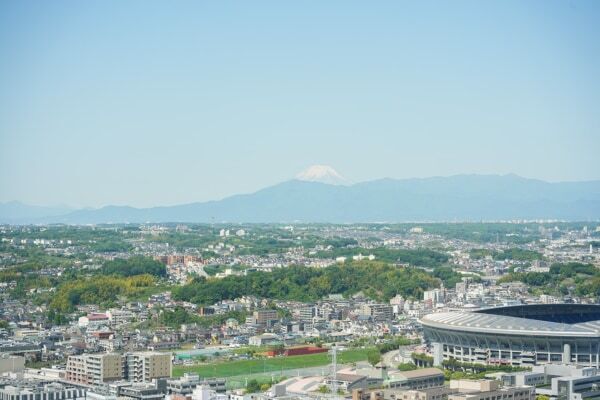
(322, 174)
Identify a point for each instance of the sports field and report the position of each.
(243, 367)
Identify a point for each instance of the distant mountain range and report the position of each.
(17, 212)
(454, 198)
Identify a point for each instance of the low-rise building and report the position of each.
(489, 390)
(265, 339)
(558, 381)
(206, 393)
(416, 380)
(144, 390)
(437, 393)
(186, 384)
(28, 389)
(569, 382)
(347, 382)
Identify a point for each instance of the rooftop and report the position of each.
(483, 321)
(419, 373)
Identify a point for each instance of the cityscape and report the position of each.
(285, 200)
(434, 310)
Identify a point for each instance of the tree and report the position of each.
(373, 356)
(253, 386)
(324, 389)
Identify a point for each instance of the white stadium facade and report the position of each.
(517, 335)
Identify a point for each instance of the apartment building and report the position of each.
(377, 312)
(306, 312)
(9, 363)
(89, 369)
(265, 317)
(146, 366)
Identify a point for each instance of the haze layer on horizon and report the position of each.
(150, 103)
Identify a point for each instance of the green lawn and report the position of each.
(233, 368)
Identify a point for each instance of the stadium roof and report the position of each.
(479, 322)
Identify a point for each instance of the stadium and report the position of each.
(520, 335)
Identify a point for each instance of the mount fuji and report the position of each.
(322, 174)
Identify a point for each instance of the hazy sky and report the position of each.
(154, 103)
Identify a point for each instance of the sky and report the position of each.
(149, 103)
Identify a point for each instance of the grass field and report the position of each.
(242, 367)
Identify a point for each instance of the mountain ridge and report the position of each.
(459, 197)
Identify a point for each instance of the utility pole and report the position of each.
(334, 369)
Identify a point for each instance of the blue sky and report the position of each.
(155, 103)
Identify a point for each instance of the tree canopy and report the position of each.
(583, 278)
(134, 266)
(376, 279)
(98, 290)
